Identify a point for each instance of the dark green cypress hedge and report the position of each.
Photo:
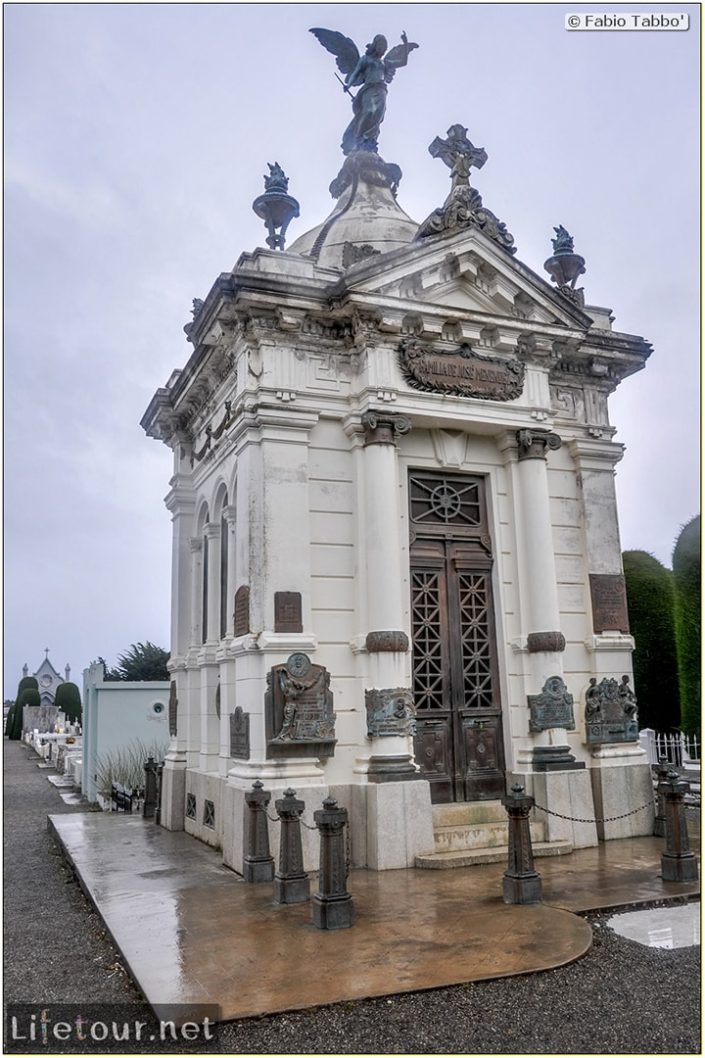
(29, 696)
(686, 580)
(68, 699)
(25, 683)
(652, 623)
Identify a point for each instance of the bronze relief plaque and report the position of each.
(609, 602)
(462, 372)
(287, 611)
(299, 713)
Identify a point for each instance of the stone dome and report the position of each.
(366, 217)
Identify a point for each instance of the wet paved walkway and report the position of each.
(193, 933)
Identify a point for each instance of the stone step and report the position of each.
(474, 857)
(468, 812)
(478, 836)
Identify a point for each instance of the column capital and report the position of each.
(533, 444)
(211, 530)
(195, 543)
(230, 513)
(382, 428)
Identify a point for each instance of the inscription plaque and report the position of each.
(173, 708)
(240, 734)
(299, 710)
(610, 712)
(609, 602)
(287, 611)
(552, 708)
(463, 372)
(241, 617)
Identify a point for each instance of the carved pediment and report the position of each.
(467, 275)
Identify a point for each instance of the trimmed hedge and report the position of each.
(686, 581)
(650, 598)
(68, 699)
(29, 696)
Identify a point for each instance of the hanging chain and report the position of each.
(605, 819)
(347, 849)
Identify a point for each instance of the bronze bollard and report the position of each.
(522, 882)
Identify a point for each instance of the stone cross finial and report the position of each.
(458, 153)
(46, 651)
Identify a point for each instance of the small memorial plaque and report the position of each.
(609, 602)
(552, 708)
(299, 710)
(240, 734)
(242, 611)
(287, 611)
(462, 372)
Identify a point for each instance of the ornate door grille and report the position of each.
(459, 736)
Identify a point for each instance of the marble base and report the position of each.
(617, 790)
(173, 795)
(570, 794)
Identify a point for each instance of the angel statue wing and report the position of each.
(397, 57)
(345, 50)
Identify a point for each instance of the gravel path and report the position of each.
(620, 998)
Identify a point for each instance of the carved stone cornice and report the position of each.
(534, 444)
(381, 428)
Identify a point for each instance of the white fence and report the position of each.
(679, 749)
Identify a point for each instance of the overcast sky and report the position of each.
(136, 137)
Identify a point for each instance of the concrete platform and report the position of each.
(192, 932)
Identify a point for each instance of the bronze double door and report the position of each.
(458, 742)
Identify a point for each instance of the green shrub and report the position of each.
(25, 683)
(68, 699)
(652, 623)
(686, 580)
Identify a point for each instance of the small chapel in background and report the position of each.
(48, 679)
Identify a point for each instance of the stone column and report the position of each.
(230, 514)
(212, 534)
(544, 640)
(196, 546)
(386, 642)
(397, 800)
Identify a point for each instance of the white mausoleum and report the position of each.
(396, 562)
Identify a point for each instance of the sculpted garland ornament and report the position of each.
(462, 372)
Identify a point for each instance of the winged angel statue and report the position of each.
(374, 71)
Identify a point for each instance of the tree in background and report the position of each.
(143, 661)
(652, 623)
(68, 700)
(686, 581)
(29, 696)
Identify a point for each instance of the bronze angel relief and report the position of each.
(373, 71)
